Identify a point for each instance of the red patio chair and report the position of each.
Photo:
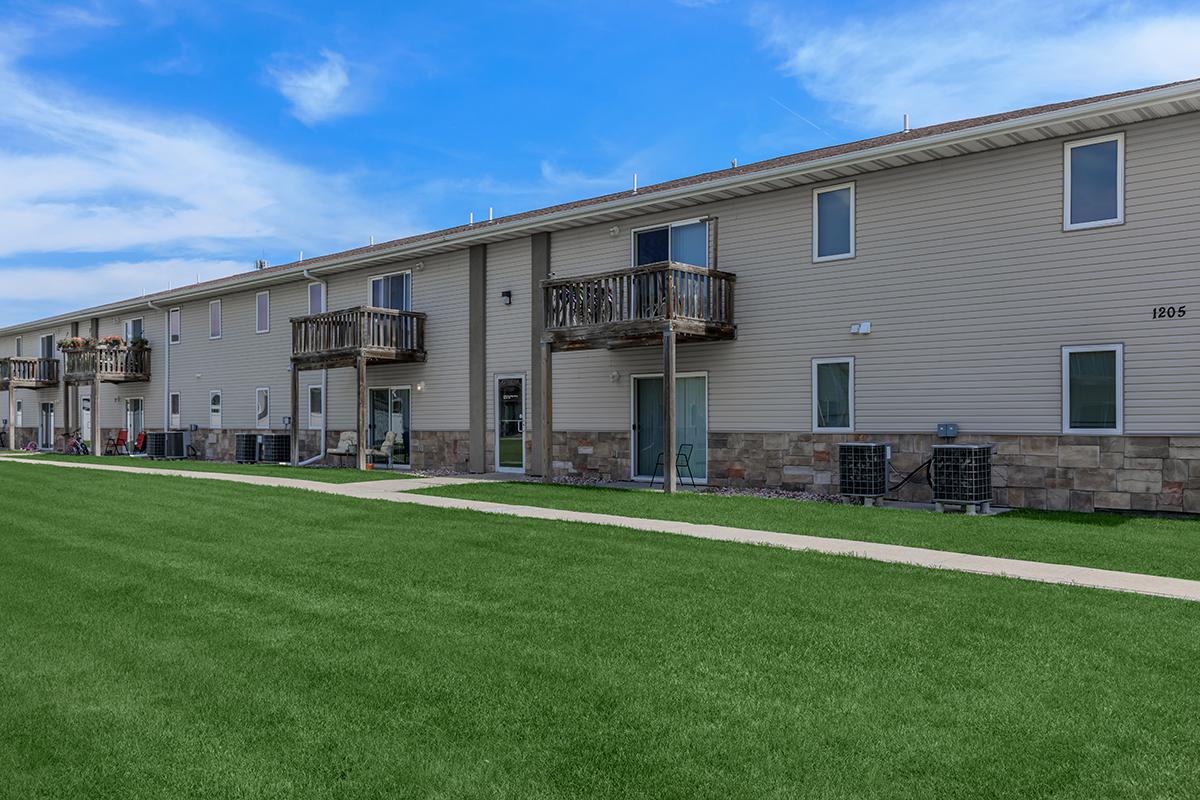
(139, 444)
(118, 446)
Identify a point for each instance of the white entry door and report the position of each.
(46, 426)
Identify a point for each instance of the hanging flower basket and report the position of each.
(111, 342)
(139, 343)
(72, 343)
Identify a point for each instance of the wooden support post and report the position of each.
(546, 414)
(363, 444)
(12, 411)
(94, 402)
(295, 427)
(669, 444)
(66, 403)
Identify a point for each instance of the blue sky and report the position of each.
(147, 143)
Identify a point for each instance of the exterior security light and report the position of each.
(506, 298)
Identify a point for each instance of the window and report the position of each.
(134, 329)
(833, 222)
(833, 394)
(214, 410)
(1093, 389)
(316, 407)
(174, 325)
(174, 403)
(1094, 182)
(392, 291)
(46, 346)
(316, 298)
(214, 319)
(262, 312)
(18, 353)
(20, 416)
(262, 411)
(684, 242)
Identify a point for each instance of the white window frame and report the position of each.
(817, 259)
(1119, 349)
(315, 421)
(371, 282)
(815, 414)
(174, 325)
(127, 328)
(42, 349)
(220, 321)
(321, 286)
(1119, 138)
(258, 322)
(174, 408)
(679, 223)
(259, 425)
(214, 420)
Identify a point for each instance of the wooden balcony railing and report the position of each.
(30, 372)
(640, 299)
(379, 334)
(109, 364)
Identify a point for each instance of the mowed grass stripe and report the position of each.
(228, 640)
(321, 474)
(1149, 545)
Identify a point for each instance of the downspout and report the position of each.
(324, 377)
(166, 362)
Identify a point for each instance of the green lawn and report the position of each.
(171, 638)
(322, 474)
(1151, 545)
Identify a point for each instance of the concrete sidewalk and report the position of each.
(400, 491)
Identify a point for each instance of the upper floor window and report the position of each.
(175, 325)
(392, 291)
(1094, 182)
(684, 242)
(262, 312)
(1093, 388)
(833, 394)
(18, 343)
(135, 329)
(214, 319)
(46, 346)
(833, 222)
(316, 298)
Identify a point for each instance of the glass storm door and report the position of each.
(389, 411)
(46, 426)
(135, 418)
(691, 424)
(510, 424)
(85, 416)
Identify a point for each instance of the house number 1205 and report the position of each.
(1169, 312)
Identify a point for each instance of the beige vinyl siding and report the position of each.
(508, 345)
(111, 404)
(439, 289)
(969, 282)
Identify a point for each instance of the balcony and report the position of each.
(28, 373)
(341, 338)
(634, 307)
(122, 364)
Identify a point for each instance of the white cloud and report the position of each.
(317, 92)
(946, 61)
(111, 280)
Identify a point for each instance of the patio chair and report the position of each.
(347, 445)
(118, 446)
(683, 461)
(385, 450)
(139, 444)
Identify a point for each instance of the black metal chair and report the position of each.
(683, 461)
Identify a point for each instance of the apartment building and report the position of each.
(1025, 276)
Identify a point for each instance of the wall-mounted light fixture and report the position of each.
(420, 386)
(614, 230)
(420, 265)
(614, 376)
(506, 297)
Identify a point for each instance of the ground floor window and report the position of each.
(262, 408)
(833, 394)
(691, 424)
(316, 404)
(174, 401)
(1093, 388)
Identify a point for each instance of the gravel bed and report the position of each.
(778, 494)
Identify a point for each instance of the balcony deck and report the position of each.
(107, 364)
(633, 307)
(28, 373)
(341, 338)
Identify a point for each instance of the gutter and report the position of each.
(629, 201)
(324, 381)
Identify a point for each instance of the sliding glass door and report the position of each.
(388, 410)
(691, 424)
